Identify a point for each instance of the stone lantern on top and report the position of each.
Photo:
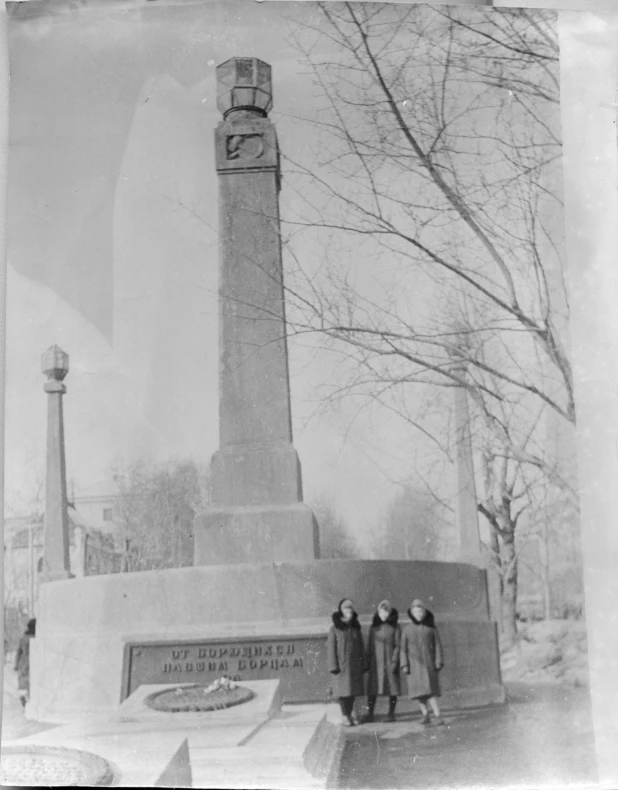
(55, 365)
(244, 84)
(245, 138)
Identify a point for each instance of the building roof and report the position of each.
(102, 490)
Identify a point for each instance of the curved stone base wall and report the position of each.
(87, 628)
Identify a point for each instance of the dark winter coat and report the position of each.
(421, 656)
(22, 662)
(346, 657)
(383, 648)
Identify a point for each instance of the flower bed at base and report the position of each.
(222, 693)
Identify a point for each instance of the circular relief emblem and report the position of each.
(49, 765)
(245, 146)
(187, 699)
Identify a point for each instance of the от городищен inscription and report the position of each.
(299, 663)
(253, 657)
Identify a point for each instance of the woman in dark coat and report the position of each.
(346, 658)
(383, 659)
(421, 659)
(22, 662)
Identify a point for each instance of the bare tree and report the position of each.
(337, 541)
(550, 559)
(415, 527)
(417, 232)
(434, 142)
(432, 164)
(506, 497)
(156, 507)
(512, 488)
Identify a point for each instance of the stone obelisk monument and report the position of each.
(55, 365)
(257, 512)
(257, 602)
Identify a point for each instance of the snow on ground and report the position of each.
(548, 651)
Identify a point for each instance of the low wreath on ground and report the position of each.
(31, 765)
(222, 693)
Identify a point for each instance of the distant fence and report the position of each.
(532, 607)
(100, 559)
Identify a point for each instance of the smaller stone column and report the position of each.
(466, 509)
(56, 563)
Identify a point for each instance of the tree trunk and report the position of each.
(509, 589)
(494, 579)
(494, 545)
(545, 571)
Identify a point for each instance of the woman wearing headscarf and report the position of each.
(421, 659)
(346, 658)
(383, 659)
(22, 662)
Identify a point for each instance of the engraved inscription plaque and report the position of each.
(299, 662)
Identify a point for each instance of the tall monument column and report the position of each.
(55, 365)
(256, 512)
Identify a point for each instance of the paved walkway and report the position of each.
(14, 723)
(542, 738)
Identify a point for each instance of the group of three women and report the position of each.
(414, 650)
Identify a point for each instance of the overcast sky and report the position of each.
(113, 247)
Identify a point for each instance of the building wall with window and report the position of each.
(98, 504)
(92, 551)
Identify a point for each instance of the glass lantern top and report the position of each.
(244, 83)
(55, 363)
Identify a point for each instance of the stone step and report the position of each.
(298, 748)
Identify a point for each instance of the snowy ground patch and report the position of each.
(553, 651)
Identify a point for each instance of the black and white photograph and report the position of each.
(311, 395)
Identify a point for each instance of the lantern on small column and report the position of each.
(55, 364)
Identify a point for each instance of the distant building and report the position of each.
(98, 544)
(98, 505)
(93, 549)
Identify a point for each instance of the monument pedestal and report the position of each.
(257, 513)
(256, 474)
(101, 637)
(276, 533)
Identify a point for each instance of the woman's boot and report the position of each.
(371, 703)
(347, 706)
(392, 704)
